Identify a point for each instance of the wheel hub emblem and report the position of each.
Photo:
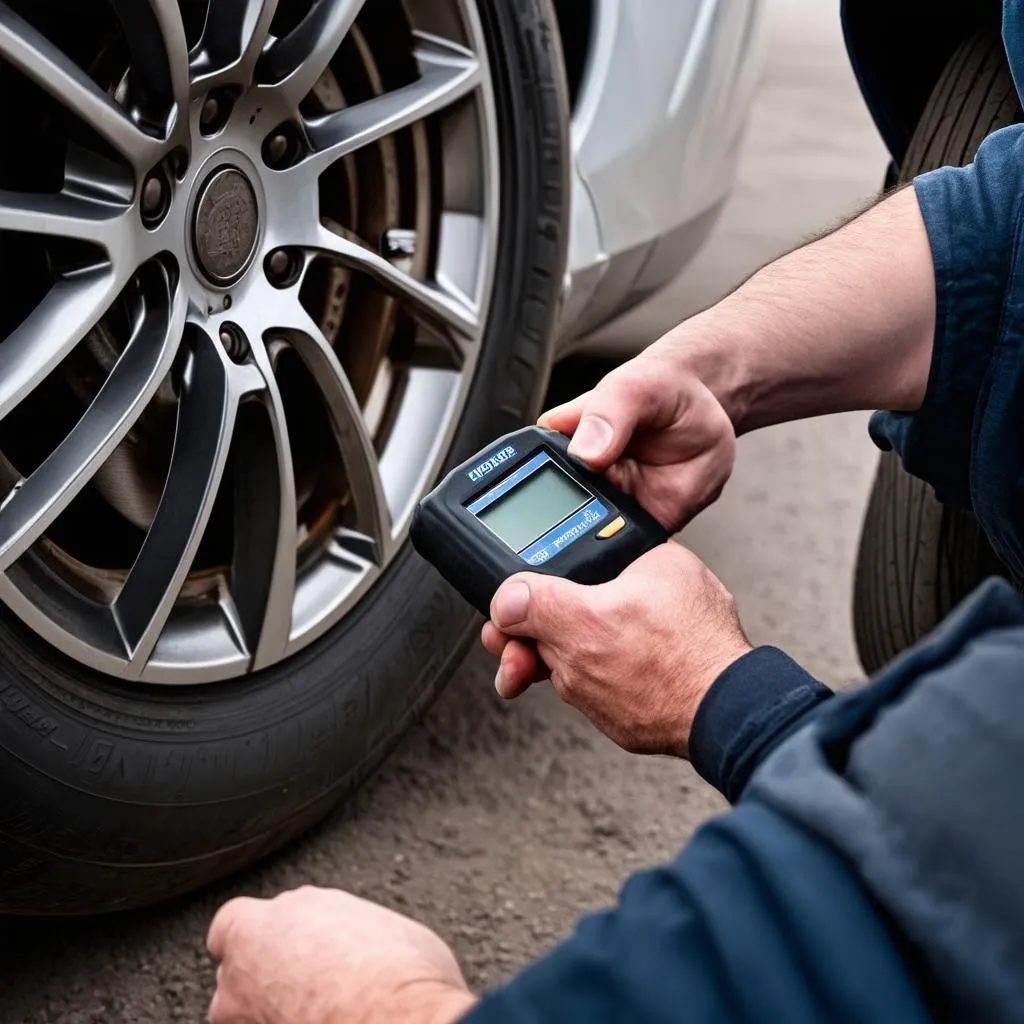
(226, 225)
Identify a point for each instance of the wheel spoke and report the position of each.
(156, 36)
(440, 307)
(206, 420)
(233, 39)
(263, 563)
(64, 216)
(34, 55)
(447, 74)
(295, 62)
(362, 470)
(69, 311)
(124, 395)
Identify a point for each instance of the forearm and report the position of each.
(846, 322)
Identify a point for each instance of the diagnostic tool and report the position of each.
(524, 504)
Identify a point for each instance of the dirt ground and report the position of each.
(498, 825)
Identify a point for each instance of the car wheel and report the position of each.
(269, 267)
(917, 558)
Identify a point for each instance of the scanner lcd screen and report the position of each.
(534, 507)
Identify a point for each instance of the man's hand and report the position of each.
(657, 432)
(319, 956)
(636, 655)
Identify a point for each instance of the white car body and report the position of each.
(656, 134)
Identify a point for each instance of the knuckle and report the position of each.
(225, 925)
(304, 894)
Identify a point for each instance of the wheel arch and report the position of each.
(576, 20)
(899, 49)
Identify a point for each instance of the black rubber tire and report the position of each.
(111, 796)
(918, 559)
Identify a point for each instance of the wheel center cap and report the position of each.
(226, 225)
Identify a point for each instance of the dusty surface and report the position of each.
(499, 825)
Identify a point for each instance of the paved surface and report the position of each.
(499, 825)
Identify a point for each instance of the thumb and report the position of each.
(536, 606)
(564, 418)
(608, 417)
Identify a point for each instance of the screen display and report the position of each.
(534, 507)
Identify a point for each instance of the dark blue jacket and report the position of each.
(873, 866)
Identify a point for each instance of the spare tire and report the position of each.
(917, 558)
(193, 674)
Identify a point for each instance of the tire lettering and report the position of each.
(27, 713)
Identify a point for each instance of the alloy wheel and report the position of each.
(250, 292)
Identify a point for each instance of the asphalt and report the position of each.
(499, 825)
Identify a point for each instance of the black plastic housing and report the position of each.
(476, 562)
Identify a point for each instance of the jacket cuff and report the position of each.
(756, 703)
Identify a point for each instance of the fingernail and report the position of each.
(499, 682)
(591, 439)
(511, 604)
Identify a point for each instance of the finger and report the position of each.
(541, 607)
(492, 638)
(520, 668)
(565, 417)
(225, 921)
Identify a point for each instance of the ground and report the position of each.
(498, 825)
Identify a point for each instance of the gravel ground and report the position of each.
(498, 825)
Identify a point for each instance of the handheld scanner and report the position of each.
(523, 504)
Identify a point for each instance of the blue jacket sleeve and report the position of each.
(753, 706)
(965, 440)
(734, 930)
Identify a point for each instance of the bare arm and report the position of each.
(846, 322)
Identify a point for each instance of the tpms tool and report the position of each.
(523, 504)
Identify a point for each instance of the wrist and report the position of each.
(714, 661)
(427, 1002)
(451, 1006)
(715, 347)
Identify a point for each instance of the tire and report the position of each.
(115, 795)
(917, 558)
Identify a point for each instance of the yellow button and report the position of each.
(611, 529)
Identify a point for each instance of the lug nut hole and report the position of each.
(282, 147)
(216, 110)
(155, 198)
(282, 267)
(233, 340)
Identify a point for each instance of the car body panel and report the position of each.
(656, 137)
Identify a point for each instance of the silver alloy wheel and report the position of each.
(206, 232)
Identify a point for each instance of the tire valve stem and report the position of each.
(399, 244)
